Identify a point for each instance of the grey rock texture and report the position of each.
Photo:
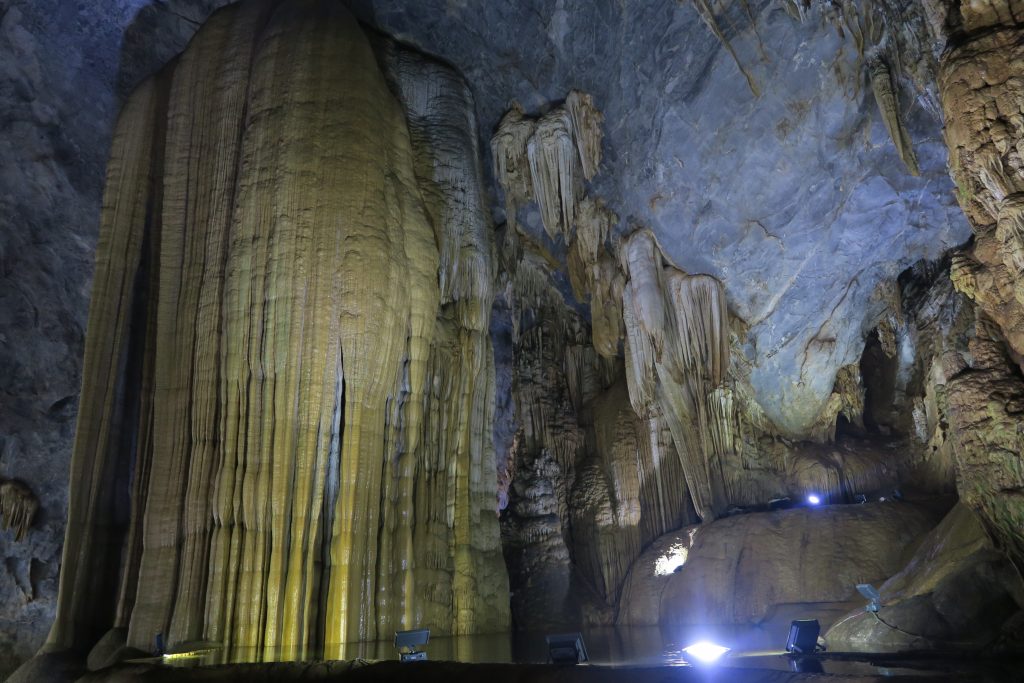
(797, 199)
(741, 569)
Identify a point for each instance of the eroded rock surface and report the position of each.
(738, 569)
(956, 592)
(797, 200)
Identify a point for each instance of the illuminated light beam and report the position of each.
(705, 652)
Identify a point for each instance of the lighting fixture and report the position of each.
(873, 596)
(705, 651)
(406, 643)
(814, 499)
(803, 636)
(566, 648)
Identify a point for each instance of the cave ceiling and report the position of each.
(796, 200)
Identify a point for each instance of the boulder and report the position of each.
(957, 592)
(753, 568)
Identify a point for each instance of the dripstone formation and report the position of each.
(288, 378)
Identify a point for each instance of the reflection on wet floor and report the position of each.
(750, 648)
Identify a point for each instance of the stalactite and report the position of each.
(562, 149)
(606, 306)
(18, 507)
(677, 355)
(511, 165)
(594, 224)
(439, 108)
(586, 127)
(963, 272)
(889, 107)
(554, 161)
(314, 462)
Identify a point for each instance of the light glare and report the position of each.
(672, 560)
(813, 499)
(705, 651)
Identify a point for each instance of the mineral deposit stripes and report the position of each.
(292, 264)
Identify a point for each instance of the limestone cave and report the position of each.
(669, 327)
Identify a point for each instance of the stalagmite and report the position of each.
(889, 107)
(18, 507)
(511, 165)
(313, 375)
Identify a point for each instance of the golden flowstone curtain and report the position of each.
(309, 414)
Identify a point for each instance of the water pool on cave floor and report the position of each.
(759, 647)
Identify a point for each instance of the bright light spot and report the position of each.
(705, 651)
(813, 499)
(672, 560)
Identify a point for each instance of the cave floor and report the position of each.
(456, 672)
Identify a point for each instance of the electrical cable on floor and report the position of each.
(930, 641)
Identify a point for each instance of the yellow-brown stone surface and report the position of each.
(314, 379)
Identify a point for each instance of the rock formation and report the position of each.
(983, 99)
(982, 92)
(677, 353)
(548, 159)
(956, 592)
(287, 352)
(17, 508)
(742, 569)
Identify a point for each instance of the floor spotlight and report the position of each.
(566, 648)
(814, 499)
(406, 643)
(705, 652)
(803, 636)
(873, 596)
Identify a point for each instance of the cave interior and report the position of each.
(326, 319)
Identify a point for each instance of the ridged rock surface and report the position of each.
(738, 570)
(296, 410)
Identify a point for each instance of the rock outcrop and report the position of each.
(260, 358)
(739, 570)
(956, 593)
(288, 370)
